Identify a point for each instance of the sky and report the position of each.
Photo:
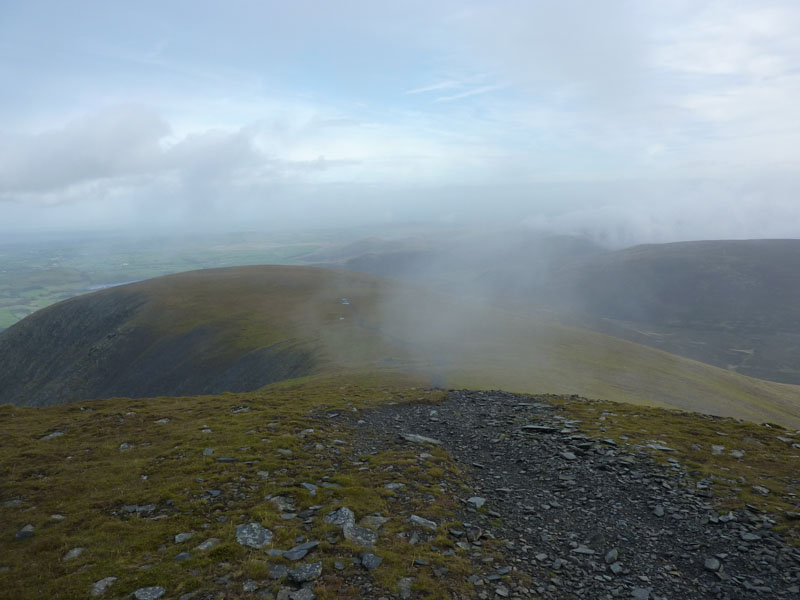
(631, 121)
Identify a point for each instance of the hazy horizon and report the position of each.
(626, 122)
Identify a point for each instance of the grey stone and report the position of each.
(404, 585)
(419, 439)
(750, 537)
(476, 501)
(712, 564)
(208, 452)
(658, 511)
(501, 591)
(660, 447)
(73, 554)
(284, 593)
(611, 556)
(569, 456)
(302, 594)
(299, 552)
(149, 593)
(422, 522)
(640, 593)
(249, 586)
(616, 568)
(125, 446)
(162, 421)
(360, 535)
(182, 556)
(761, 490)
(25, 532)
(312, 489)
(394, 486)
(370, 562)
(539, 429)
(253, 535)
(373, 522)
(278, 571)
(341, 517)
(209, 544)
(99, 587)
(51, 436)
(307, 572)
(183, 537)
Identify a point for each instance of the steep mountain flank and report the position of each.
(734, 304)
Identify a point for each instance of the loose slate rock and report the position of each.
(373, 522)
(307, 572)
(476, 501)
(421, 521)
(253, 535)
(24, 533)
(209, 544)
(369, 561)
(419, 439)
(712, 564)
(149, 593)
(360, 535)
(51, 436)
(73, 554)
(341, 517)
(183, 537)
(299, 552)
(278, 571)
(302, 594)
(100, 587)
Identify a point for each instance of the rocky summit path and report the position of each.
(585, 518)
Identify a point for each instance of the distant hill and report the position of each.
(735, 304)
(237, 329)
(485, 265)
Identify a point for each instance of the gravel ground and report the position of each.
(585, 518)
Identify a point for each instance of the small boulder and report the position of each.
(476, 502)
(24, 533)
(253, 535)
(307, 572)
(100, 587)
(422, 522)
(341, 517)
(360, 535)
(370, 561)
(149, 593)
(73, 554)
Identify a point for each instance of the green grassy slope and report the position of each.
(112, 454)
(209, 325)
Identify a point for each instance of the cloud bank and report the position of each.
(630, 121)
